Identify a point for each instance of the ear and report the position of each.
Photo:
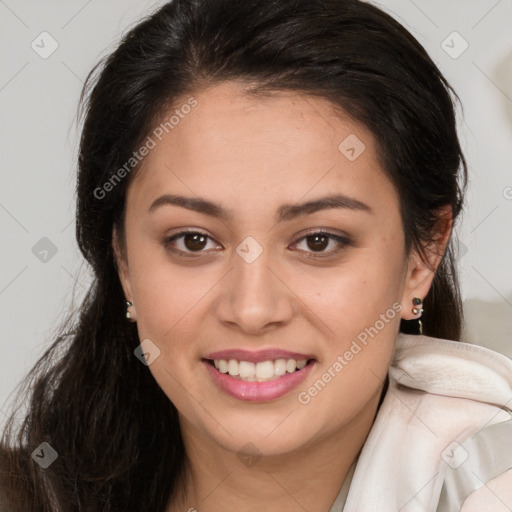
(421, 268)
(119, 250)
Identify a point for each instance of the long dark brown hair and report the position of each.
(116, 433)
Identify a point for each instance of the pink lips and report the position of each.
(258, 391)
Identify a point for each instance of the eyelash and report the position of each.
(343, 242)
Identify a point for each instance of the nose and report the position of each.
(255, 297)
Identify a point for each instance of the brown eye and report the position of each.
(317, 242)
(194, 241)
(189, 242)
(320, 241)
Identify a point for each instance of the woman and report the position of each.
(266, 195)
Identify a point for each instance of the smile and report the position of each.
(262, 371)
(258, 376)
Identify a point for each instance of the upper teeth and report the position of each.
(262, 371)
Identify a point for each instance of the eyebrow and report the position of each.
(285, 212)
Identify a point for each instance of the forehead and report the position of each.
(253, 150)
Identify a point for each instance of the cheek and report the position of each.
(351, 297)
(363, 317)
(168, 297)
(164, 293)
(170, 300)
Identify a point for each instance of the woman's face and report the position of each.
(295, 254)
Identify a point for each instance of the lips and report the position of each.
(258, 376)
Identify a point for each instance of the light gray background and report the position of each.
(39, 138)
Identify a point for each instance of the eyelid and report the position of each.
(323, 231)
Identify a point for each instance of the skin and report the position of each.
(251, 157)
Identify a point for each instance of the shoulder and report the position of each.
(477, 459)
(444, 424)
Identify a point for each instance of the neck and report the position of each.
(310, 477)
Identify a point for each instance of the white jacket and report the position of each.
(442, 439)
